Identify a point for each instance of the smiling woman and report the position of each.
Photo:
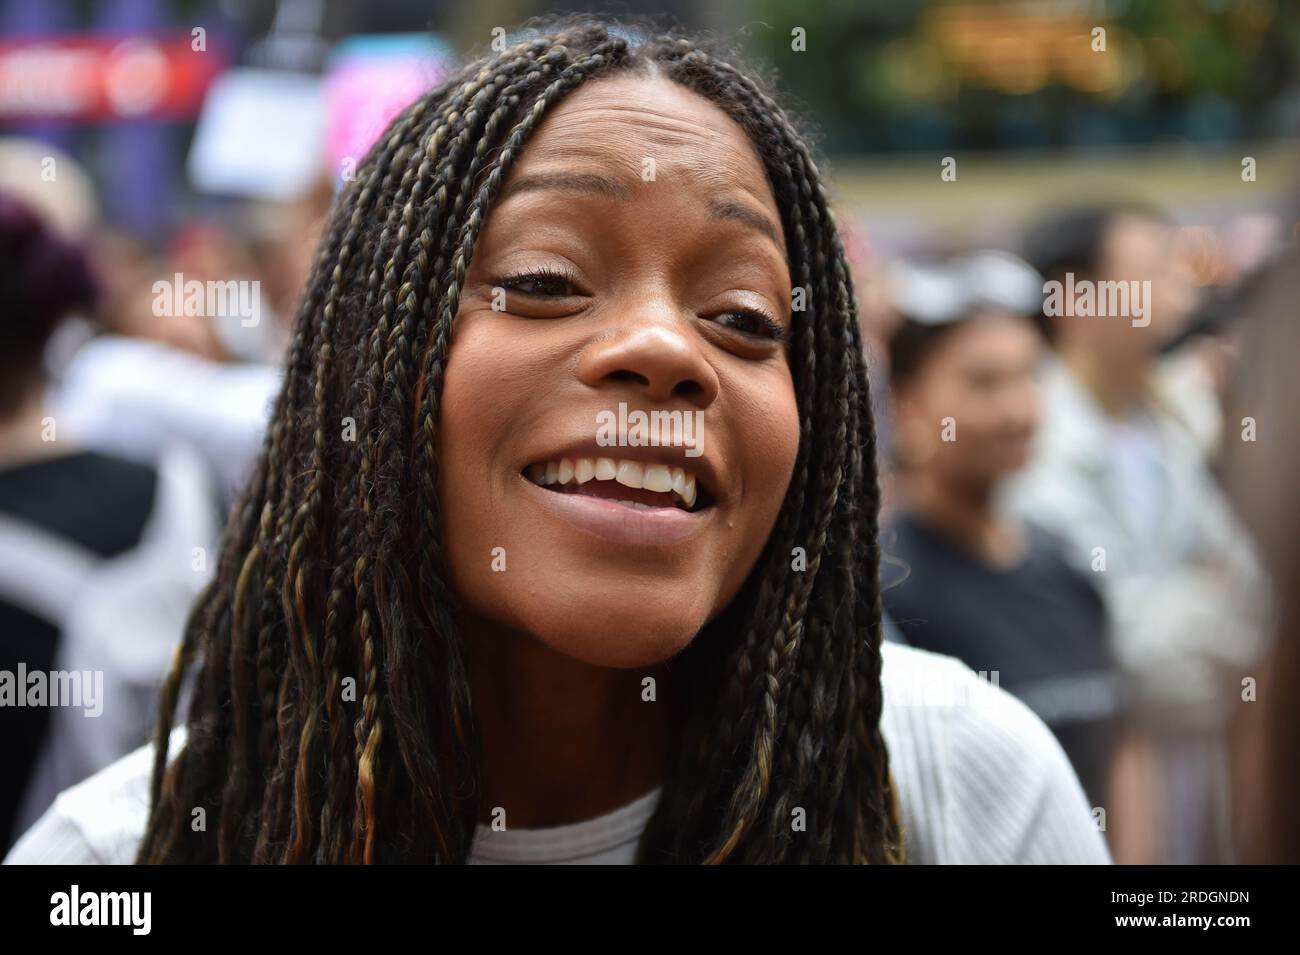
(669, 293)
(562, 651)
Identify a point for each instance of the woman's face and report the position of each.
(982, 375)
(634, 261)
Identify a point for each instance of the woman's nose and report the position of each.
(656, 354)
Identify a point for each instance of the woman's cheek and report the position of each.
(767, 424)
(473, 410)
(767, 439)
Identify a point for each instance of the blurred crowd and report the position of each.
(1092, 510)
(127, 427)
(1057, 515)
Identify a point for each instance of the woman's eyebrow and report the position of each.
(603, 186)
(746, 215)
(609, 188)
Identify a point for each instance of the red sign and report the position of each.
(106, 78)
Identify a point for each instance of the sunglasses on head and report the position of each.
(949, 291)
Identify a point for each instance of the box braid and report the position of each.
(332, 573)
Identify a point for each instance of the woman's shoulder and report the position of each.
(980, 778)
(100, 820)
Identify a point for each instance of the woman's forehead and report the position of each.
(647, 127)
(640, 129)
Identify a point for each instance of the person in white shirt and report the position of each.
(570, 503)
(981, 780)
(138, 398)
(1120, 476)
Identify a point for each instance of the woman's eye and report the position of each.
(541, 284)
(751, 323)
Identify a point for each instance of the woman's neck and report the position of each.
(964, 513)
(562, 741)
(24, 436)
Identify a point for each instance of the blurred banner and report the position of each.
(97, 78)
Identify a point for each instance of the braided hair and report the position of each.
(332, 575)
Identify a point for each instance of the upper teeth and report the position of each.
(652, 477)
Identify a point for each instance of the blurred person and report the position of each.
(523, 687)
(51, 182)
(1197, 366)
(96, 553)
(877, 320)
(149, 375)
(200, 252)
(1263, 471)
(283, 236)
(127, 381)
(963, 579)
(1121, 477)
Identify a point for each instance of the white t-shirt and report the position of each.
(135, 397)
(980, 780)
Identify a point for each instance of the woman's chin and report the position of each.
(622, 640)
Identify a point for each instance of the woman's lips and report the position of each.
(670, 485)
(618, 523)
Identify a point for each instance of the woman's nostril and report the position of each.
(686, 388)
(622, 374)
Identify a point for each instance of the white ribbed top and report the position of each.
(610, 839)
(980, 780)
